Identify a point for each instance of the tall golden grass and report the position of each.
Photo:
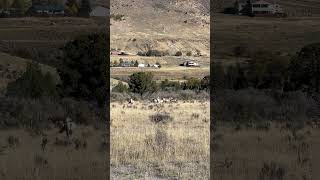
(178, 148)
(255, 154)
(24, 159)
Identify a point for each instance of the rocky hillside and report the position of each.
(165, 25)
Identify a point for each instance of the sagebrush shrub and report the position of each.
(161, 118)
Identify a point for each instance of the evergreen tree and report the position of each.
(20, 5)
(4, 4)
(85, 8)
(142, 82)
(120, 87)
(115, 63)
(32, 84)
(136, 64)
(72, 8)
(83, 70)
(55, 2)
(121, 62)
(305, 68)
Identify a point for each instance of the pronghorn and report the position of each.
(64, 124)
(157, 100)
(130, 102)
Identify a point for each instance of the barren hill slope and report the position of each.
(175, 25)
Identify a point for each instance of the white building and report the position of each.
(258, 7)
(141, 65)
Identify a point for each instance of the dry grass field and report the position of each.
(172, 73)
(284, 35)
(34, 31)
(252, 154)
(22, 157)
(177, 147)
(171, 61)
(39, 38)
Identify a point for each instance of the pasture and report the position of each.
(160, 141)
(171, 73)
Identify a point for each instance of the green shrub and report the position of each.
(72, 8)
(120, 87)
(136, 63)
(151, 52)
(140, 53)
(271, 171)
(33, 84)
(161, 118)
(142, 83)
(252, 105)
(305, 69)
(13, 141)
(189, 53)
(159, 65)
(178, 53)
(117, 17)
(81, 112)
(267, 70)
(240, 51)
(83, 70)
(205, 83)
(192, 84)
(167, 85)
(85, 8)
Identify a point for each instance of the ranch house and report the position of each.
(41, 9)
(12, 12)
(258, 7)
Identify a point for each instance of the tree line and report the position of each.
(71, 7)
(143, 82)
(267, 70)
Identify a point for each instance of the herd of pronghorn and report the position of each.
(156, 100)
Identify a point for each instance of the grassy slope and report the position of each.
(11, 64)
